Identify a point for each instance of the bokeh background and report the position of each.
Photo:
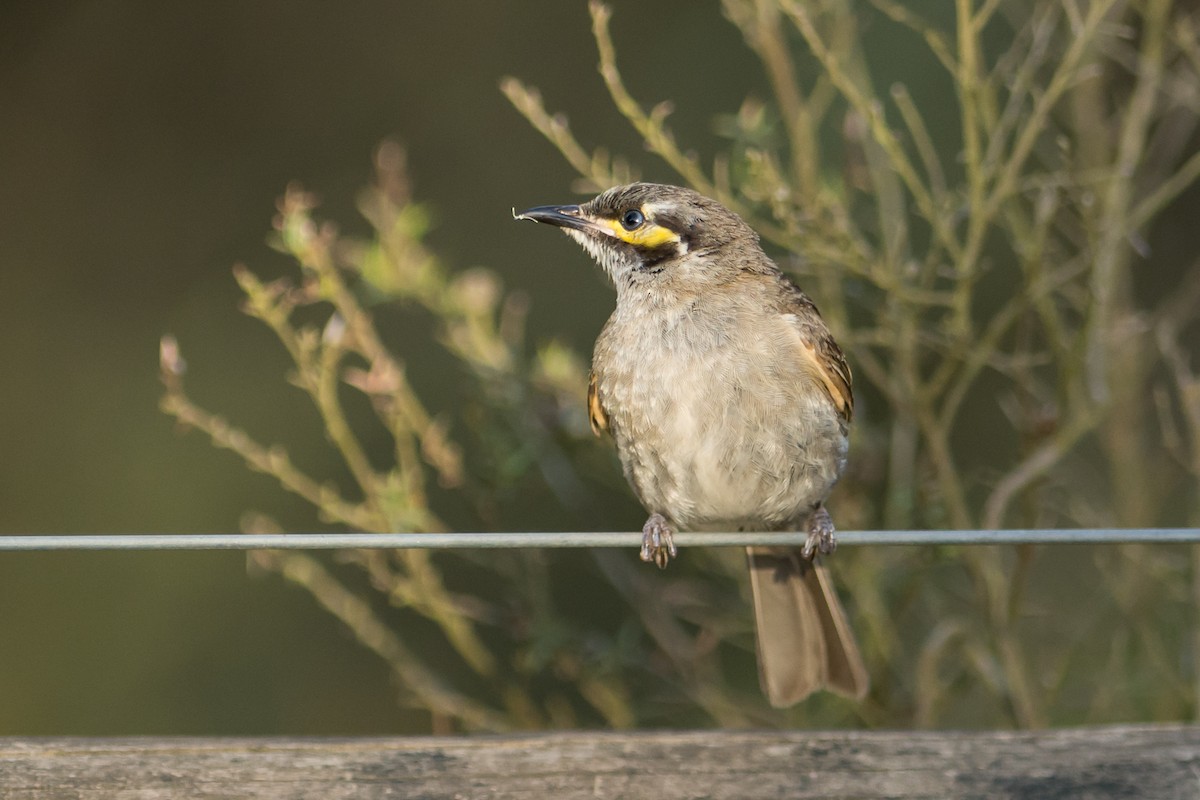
(142, 149)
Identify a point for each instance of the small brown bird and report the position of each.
(729, 402)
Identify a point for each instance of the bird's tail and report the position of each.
(804, 640)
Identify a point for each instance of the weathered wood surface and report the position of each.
(1160, 762)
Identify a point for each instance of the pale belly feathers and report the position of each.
(728, 431)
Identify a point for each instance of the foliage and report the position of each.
(1023, 353)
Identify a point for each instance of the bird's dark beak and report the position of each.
(560, 216)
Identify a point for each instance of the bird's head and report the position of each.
(646, 234)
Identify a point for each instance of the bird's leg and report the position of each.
(820, 534)
(658, 544)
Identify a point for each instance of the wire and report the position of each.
(439, 541)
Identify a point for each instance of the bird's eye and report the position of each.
(632, 219)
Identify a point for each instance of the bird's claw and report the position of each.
(658, 543)
(820, 535)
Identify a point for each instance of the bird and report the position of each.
(730, 403)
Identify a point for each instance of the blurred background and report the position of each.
(143, 147)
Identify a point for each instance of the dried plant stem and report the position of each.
(648, 125)
(696, 671)
(878, 126)
(555, 129)
(1164, 193)
(273, 461)
(1111, 253)
(1034, 465)
(797, 117)
(374, 634)
(933, 38)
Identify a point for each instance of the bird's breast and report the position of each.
(714, 420)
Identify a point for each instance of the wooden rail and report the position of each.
(1160, 762)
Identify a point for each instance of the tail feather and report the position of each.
(804, 640)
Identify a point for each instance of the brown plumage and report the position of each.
(729, 402)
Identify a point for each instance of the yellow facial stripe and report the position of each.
(648, 235)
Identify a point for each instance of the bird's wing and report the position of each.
(596, 414)
(820, 354)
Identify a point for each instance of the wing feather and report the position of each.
(821, 355)
(596, 415)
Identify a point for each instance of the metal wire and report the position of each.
(439, 541)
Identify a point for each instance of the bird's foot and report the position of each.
(820, 535)
(658, 543)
